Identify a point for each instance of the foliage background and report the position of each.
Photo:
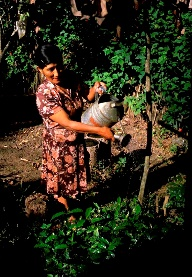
(91, 51)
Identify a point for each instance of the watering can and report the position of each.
(105, 111)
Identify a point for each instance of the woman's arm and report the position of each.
(63, 119)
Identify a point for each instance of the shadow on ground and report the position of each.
(17, 254)
(18, 112)
(127, 183)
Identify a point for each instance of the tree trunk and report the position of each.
(188, 186)
(149, 108)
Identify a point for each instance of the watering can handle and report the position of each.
(115, 104)
(97, 94)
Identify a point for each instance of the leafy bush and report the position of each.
(95, 237)
(89, 50)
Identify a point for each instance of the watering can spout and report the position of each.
(123, 139)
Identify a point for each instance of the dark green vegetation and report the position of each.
(112, 233)
(90, 50)
(118, 235)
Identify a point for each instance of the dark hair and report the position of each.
(46, 54)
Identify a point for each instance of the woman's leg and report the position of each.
(63, 201)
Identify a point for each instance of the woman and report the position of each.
(59, 101)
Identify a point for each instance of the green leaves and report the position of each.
(97, 234)
(117, 63)
(61, 246)
(57, 215)
(92, 239)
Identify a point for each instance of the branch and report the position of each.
(7, 45)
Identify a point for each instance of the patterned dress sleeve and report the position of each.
(47, 100)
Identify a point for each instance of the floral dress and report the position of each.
(63, 163)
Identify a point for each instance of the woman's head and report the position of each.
(49, 61)
(46, 54)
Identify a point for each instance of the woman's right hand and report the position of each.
(106, 133)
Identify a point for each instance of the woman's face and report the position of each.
(52, 72)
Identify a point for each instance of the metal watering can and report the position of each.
(105, 111)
